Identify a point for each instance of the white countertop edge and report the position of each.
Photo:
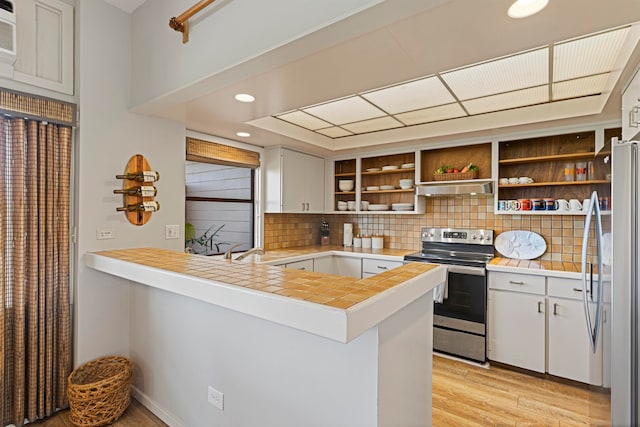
(317, 319)
(377, 308)
(535, 271)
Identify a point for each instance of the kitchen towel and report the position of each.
(441, 292)
(348, 234)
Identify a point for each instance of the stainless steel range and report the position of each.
(460, 307)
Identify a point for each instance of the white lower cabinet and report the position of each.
(306, 264)
(339, 265)
(516, 329)
(373, 266)
(569, 349)
(541, 328)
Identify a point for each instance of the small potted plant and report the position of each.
(205, 243)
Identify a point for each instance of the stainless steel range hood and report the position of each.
(455, 188)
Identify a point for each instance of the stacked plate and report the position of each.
(408, 166)
(390, 168)
(373, 170)
(387, 187)
(401, 206)
(373, 188)
(378, 207)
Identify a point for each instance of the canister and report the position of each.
(366, 242)
(377, 242)
(357, 241)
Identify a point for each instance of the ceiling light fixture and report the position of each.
(244, 97)
(524, 8)
(243, 134)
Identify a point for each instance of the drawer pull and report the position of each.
(516, 283)
(555, 309)
(540, 307)
(382, 267)
(302, 268)
(577, 290)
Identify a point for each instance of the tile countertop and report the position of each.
(336, 307)
(569, 270)
(305, 252)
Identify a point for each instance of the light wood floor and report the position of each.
(136, 415)
(465, 396)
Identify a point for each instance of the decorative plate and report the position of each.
(520, 244)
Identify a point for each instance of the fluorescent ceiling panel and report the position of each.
(347, 110)
(433, 114)
(592, 85)
(373, 125)
(590, 55)
(502, 75)
(305, 120)
(504, 101)
(334, 132)
(413, 95)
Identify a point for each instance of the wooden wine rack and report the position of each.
(136, 164)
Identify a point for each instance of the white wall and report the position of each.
(108, 135)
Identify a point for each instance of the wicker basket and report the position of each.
(99, 391)
(454, 176)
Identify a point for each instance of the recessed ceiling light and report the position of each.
(524, 8)
(244, 97)
(243, 134)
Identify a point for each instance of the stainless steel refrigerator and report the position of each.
(625, 326)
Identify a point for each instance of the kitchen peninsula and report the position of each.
(286, 347)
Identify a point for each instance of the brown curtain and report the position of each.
(35, 335)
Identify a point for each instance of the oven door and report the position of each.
(465, 305)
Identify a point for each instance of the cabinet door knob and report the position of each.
(540, 307)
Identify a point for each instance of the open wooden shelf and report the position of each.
(389, 171)
(398, 190)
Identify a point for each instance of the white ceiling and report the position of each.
(454, 35)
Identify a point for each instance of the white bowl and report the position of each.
(342, 207)
(345, 185)
(406, 183)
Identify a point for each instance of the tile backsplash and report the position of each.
(562, 233)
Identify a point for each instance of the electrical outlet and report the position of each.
(216, 398)
(172, 231)
(104, 233)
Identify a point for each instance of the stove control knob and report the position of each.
(474, 237)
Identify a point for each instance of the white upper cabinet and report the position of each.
(294, 181)
(44, 35)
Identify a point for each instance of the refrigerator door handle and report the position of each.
(593, 325)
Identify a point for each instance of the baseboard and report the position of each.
(166, 417)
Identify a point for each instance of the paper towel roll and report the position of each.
(348, 234)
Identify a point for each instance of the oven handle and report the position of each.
(475, 271)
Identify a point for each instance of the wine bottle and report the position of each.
(144, 176)
(142, 191)
(141, 207)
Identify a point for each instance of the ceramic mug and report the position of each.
(604, 203)
(585, 204)
(562, 205)
(575, 205)
(502, 205)
(538, 204)
(525, 180)
(503, 181)
(525, 204)
(364, 205)
(513, 205)
(550, 204)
